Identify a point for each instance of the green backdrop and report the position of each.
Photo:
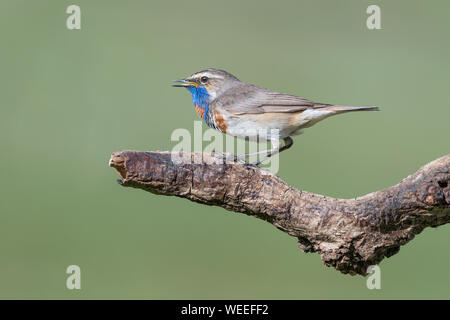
(69, 98)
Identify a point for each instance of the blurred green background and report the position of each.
(71, 98)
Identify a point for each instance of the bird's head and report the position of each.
(206, 85)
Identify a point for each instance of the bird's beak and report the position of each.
(184, 83)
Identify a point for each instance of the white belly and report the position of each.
(259, 126)
(272, 126)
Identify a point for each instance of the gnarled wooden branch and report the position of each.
(349, 234)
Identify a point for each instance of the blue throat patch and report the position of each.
(200, 97)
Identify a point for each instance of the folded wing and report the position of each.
(250, 99)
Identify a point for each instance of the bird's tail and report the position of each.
(319, 112)
(342, 109)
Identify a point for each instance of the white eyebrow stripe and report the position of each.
(216, 76)
(209, 75)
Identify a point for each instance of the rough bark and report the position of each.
(349, 234)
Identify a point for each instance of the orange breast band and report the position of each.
(200, 111)
(220, 121)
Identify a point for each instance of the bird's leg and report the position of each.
(288, 142)
(243, 156)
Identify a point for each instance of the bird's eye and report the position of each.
(204, 79)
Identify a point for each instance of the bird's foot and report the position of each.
(258, 162)
(244, 158)
(241, 157)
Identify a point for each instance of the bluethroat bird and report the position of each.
(250, 112)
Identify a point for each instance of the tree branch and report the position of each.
(349, 234)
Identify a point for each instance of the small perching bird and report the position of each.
(250, 112)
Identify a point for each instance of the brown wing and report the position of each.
(250, 99)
